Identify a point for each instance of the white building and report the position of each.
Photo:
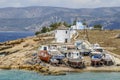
(62, 34)
(78, 26)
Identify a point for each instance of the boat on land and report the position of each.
(50, 54)
(99, 58)
(108, 59)
(56, 57)
(96, 47)
(75, 60)
(83, 47)
(96, 59)
(44, 55)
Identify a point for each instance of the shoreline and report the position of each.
(61, 70)
(17, 52)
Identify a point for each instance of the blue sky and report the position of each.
(61, 3)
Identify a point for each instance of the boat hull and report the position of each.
(76, 63)
(44, 56)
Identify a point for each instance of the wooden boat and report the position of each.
(75, 60)
(44, 56)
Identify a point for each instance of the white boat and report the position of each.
(75, 60)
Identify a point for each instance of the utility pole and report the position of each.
(85, 30)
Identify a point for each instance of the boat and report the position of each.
(54, 61)
(83, 47)
(75, 60)
(108, 60)
(56, 55)
(44, 55)
(96, 47)
(96, 59)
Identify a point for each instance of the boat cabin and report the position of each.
(44, 47)
(75, 60)
(83, 47)
(73, 54)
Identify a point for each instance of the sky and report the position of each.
(61, 3)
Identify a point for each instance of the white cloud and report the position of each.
(60, 3)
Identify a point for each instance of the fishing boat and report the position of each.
(96, 47)
(44, 55)
(56, 56)
(83, 47)
(75, 60)
(108, 59)
(96, 59)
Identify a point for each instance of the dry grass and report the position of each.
(104, 38)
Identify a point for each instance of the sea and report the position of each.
(30, 75)
(13, 35)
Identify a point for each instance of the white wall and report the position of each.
(78, 26)
(61, 35)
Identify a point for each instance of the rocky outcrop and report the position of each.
(5, 47)
(117, 36)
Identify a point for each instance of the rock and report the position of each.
(43, 70)
(55, 73)
(5, 67)
(13, 51)
(26, 67)
(1, 43)
(5, 47)
(117, 36)
(14, 67)
(4, 53)
(117, 64)
(26, 45)
(37, 39)
(15, 42)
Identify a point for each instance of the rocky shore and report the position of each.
(21, 54)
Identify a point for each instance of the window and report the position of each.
(45, 48)
(66, 32)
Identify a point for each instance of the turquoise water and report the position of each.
(29, 75)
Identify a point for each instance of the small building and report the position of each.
(78, 26)
(62, 34)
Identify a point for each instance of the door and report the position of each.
(45, 48)
(66, 40)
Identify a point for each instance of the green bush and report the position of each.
(98, 26)
(38, 32)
